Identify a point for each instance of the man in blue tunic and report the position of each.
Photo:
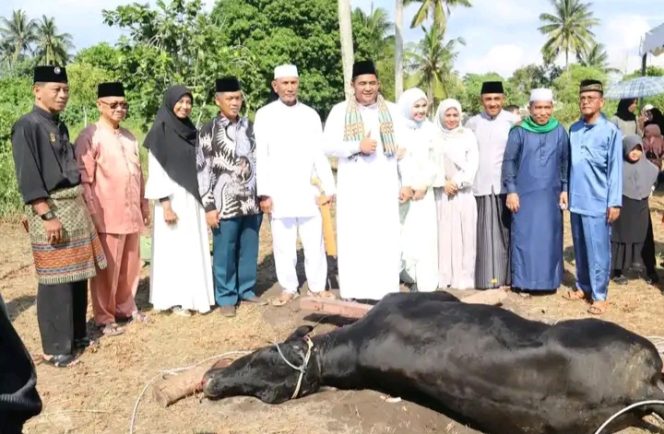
(535, 178)
(595, 195)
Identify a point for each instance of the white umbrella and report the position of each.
(636, 88)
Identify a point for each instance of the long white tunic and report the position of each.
(419, 258)
(289, 151)
(367, 208)
(181, 270)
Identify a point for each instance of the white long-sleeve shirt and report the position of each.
(289, 153)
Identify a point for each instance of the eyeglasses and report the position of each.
(116, 104)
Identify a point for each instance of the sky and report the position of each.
(500, 35)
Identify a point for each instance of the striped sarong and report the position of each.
(492, 263)
(74, 258)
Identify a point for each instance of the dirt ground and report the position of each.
(99, 394)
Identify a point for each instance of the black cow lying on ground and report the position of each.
(483, 365)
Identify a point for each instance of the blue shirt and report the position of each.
(596, 167)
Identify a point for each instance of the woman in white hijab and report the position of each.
(457, 160)
(419, 258)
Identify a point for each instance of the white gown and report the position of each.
(368, 241)
(419, 258)
(181, 269)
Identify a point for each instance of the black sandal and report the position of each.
(82, 343)
(61, 360)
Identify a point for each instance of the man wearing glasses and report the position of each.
(112, 179)
(595, 195)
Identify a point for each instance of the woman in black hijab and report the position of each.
(180, 239)
(625, 119)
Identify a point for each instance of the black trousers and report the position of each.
(648, 251)
(61, 313)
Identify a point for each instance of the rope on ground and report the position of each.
(626, 410)
(174, 371)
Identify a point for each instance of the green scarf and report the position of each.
(529, 124)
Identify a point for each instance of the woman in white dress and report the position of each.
(181, 271)
(457, 155)
(419, 250)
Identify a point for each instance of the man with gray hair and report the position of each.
(289, 154)
(534, 175)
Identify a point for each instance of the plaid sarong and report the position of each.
(354, 126)
(74, 258)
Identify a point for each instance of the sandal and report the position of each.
(575, 295)
(111, 329)
(61, 360)
(598, 308)
(284, 298)
(322, 294)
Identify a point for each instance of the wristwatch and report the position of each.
(49, 215)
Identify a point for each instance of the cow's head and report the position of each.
(265, 374)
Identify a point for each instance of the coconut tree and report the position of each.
(595, 57)
(52, 48)
(17, 34)
(376, 27)
(437, 10)
(432, 62)
(568, 28)
(346, 36)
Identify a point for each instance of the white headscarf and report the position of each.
(445, 105)
(406, 103)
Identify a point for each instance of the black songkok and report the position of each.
(49, 74)
(492, 87)
(227, 84)
(110, 89)
(591, 86)
(364, 67)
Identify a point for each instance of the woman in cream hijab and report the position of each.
(419, 258)
(457, 161)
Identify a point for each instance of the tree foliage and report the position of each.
(436, 10)
(568, 29)
(51, 47)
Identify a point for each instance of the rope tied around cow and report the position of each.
(302, 369)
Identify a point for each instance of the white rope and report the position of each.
(172, 372)
(625, 410)
(302, 369)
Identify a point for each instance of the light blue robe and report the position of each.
(595, 185)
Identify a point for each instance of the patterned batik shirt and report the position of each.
(226, 163)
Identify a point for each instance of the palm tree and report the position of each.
(432, 62)
(17, 34)
(595, 57)
(377, 26)
(398, 49)
(567, 29)
(52, 48)
(346, 36)
(438, 10)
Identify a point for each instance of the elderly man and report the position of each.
(65, 245)
(113, 190)
(491, 127)
(289, 152)
(535, 179)
(595, 195)
(227, 181)
(363, 133)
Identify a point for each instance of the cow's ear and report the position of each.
(300, 332)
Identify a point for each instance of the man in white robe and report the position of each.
(289, 153)
(363, 133)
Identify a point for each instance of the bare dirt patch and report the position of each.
(98, 395)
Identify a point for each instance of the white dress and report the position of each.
(181, 269)
(367, 215)
(419, 257)
(457, 152)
